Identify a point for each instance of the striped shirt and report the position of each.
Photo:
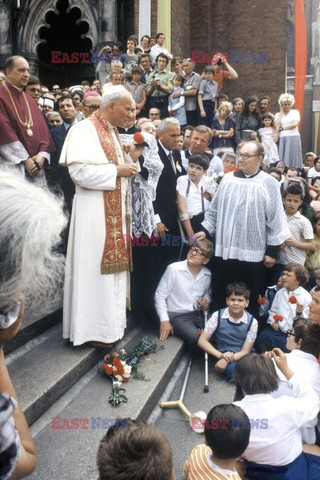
(199, 466)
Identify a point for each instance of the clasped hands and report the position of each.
(34, 164)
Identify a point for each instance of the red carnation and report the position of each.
(278, 318)
(292, 299)
(262, 300)
(138, 138)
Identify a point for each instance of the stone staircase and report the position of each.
(54, 380)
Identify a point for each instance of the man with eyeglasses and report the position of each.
(184, 290)
(154, 114)
(191, 86)
(90, 103)
(247, 220)
(33, 88)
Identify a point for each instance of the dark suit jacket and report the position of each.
(165, 203)
(58, 177)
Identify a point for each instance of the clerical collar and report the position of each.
(240, 174)
(164, 148)
(17, 88)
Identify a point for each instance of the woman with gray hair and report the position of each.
(31, 223)
(286, 122)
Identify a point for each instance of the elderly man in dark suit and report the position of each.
(165, 204)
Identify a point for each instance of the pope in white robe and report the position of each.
(95, 303)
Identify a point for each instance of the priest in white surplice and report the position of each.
(247, 220)
(98, 260)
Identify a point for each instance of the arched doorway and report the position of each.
(65, 32)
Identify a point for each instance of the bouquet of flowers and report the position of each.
(121, 365)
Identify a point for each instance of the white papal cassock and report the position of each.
(94, 307)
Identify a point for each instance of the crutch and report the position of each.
(193, 418)
(206, 373)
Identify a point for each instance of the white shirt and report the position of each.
(155, 50)
(215, 167)
(280, 443)
(306, 366)
(178, 291)
(301, 230)
(290, 117)
(195, 197)
(282, 306)
(313, 173)
(213, 323)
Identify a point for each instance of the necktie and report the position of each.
(172, 162)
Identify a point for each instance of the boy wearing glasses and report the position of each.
(183, 291)
(233, 330)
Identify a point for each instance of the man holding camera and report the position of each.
(159, 86)
(221, 76)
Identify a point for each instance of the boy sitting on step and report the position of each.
(184, 290)
(234, 330)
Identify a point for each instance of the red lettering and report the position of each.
(196, 423)
(55, 422)
(215, 423)
(154, 241)
(196, 56)
(144, 241)
(55, 56)
(65, 58)
(205, 58)
(74, 57)
(84, 423)
(75, 423)
(84, 57)
(224, 423)
(135, 242)
(65, 424)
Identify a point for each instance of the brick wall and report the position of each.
(180, 28)
(248, 27)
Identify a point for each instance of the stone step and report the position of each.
(46, 367)
(71, 453)
(31, 328)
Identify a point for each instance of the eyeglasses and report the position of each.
(290, 332)
(154, 114)
(35, 90)
(196, 251)
(245, 156)
(93, 107)
(56, 88)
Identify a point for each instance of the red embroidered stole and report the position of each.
(115, 257)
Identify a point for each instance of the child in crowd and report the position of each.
(176, 105)
(207, 93)
(137, 89)
(294, 249)
(290, 301)
(265, 303)
(313, 179)
(233, 329)
(313, 256)
(227, 432)
(269, 136)
(135, 449)
(185, 289)
(191, 198)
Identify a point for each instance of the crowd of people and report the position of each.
(176, 201)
